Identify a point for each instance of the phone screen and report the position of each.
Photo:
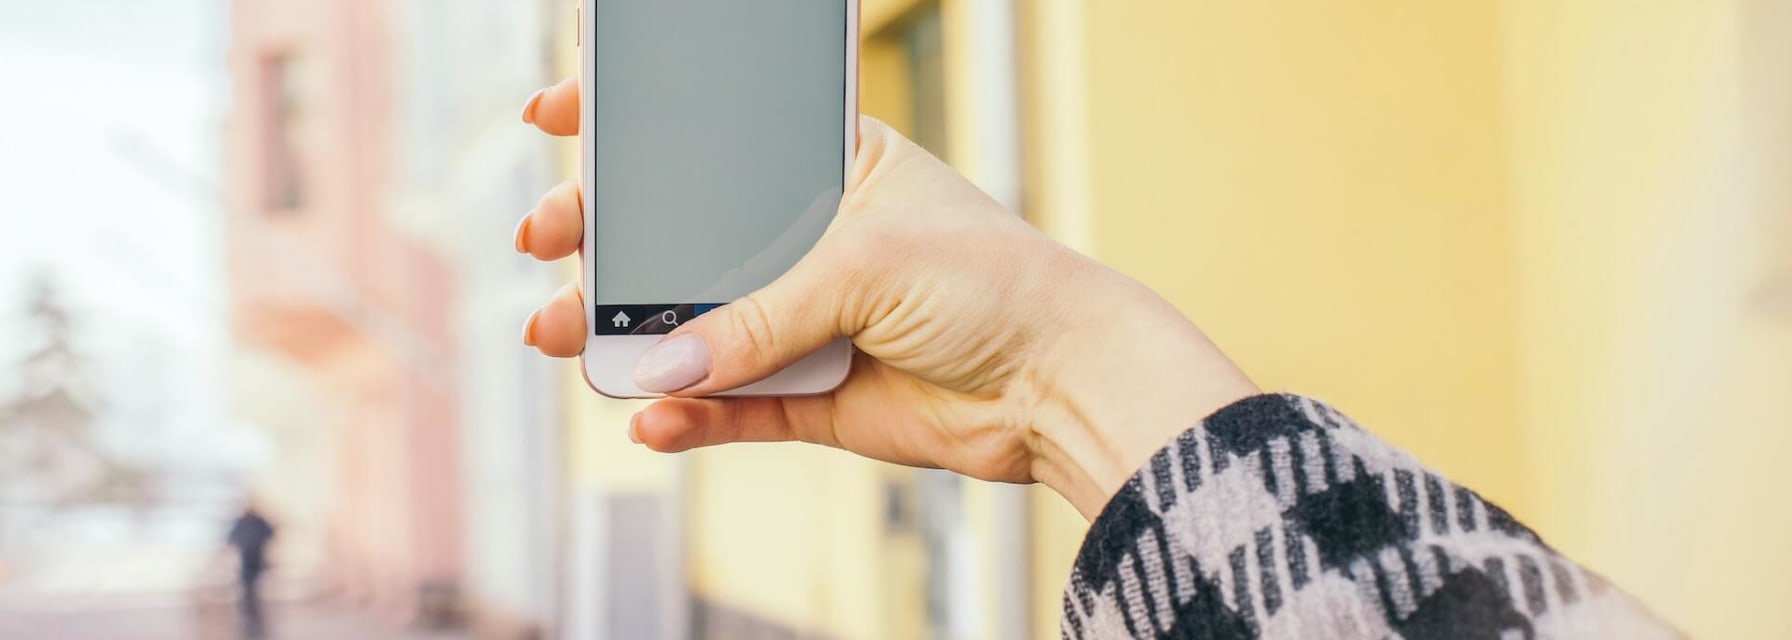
(720, 130)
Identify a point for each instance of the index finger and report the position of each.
(555, 110)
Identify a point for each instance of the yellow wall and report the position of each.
(794, 534)
(1522, 240)
(1321, 187)
(1651, 211)
(1324, 191)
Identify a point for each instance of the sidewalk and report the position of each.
(286, 622)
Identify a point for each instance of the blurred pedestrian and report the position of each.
(250, 534)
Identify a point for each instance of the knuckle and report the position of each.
(738, 423)
(753, 325)
(861, 268)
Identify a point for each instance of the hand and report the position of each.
(985, 347)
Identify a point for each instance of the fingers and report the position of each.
(756, 336)
(558, 328)
(556, 227)
(555, 110)
(681, 424)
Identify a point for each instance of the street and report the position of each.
(166, 621)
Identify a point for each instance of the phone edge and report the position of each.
(587, 17)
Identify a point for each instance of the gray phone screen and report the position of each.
(720, 142)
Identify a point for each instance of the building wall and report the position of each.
(325, 282)
(1322, 189)
(465, 170)
(1649, 150)
(1532, 242)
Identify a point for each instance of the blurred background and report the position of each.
(261, 249)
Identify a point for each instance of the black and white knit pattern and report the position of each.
(1279, 518)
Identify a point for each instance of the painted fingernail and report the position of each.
(529, 328)
(634, 426)
(529, 108)
(522, 233)
(672, 365)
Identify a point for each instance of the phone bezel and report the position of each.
(608, 361)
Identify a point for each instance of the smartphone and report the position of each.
(717, 136)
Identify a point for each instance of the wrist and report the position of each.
(1115, 398)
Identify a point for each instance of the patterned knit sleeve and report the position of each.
(1277, 517)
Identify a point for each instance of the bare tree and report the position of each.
(50, 456)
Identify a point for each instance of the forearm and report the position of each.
(1278, 518)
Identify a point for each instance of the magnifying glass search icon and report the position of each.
(670, 318)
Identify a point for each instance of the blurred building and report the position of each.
(378, 168)
(345, 355)
(467, 170)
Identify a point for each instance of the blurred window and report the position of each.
(282, 106)
(923, 42)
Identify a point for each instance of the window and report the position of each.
(282, 113)
(903, 75)
(923, 43)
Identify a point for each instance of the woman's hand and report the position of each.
(985, 347)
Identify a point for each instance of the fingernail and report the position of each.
(529, 109)
(529, 328)
(522, 233)
(673, 364)
(634, 424)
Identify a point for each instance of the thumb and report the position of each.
(750, 339)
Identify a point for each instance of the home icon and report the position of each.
(620, 321)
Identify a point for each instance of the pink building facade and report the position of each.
(346, 305)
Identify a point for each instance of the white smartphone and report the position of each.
(717, 136)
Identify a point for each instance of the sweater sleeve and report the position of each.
(1277, 517)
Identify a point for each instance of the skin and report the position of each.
(985, 347)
